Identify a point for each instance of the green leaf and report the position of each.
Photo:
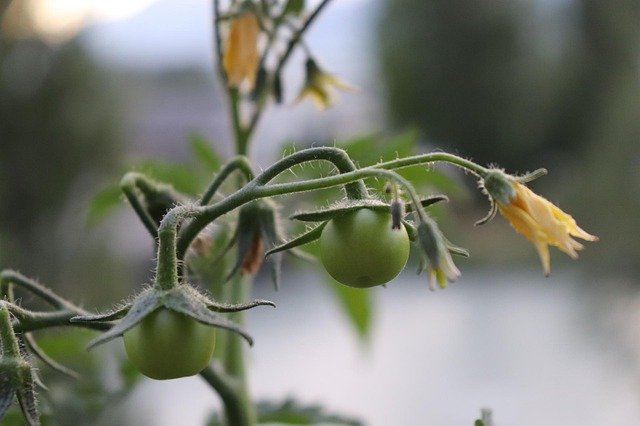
(103, 203)
(294, 7)
(182, 177)
(291, 412)
(478, 423)
(204, 152)
(357, 304)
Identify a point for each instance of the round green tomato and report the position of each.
(167, 345)
(359, 248)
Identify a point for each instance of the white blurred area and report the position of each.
(525, 346)
(536, 351)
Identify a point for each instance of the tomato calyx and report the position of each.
(342, 207)
(183, 299)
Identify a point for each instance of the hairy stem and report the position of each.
(258, 187)
(128, 187)
(227, 388)
(240, 163)
(167, 272)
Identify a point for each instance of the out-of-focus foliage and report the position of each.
(291, 412)
(187, 178)
(57, 123)
(529, 84)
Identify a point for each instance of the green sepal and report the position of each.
(426, 202)
(270, 228)
(184, 299)
(453, 249)
(493, 209)
(304, 238)
(9, 381)
(530, 176)
(346, 206)
(112, 315)
(27, 396)
(258, 220)
(247, 229)
(223, 307)
(145, 303)
(186, 303)
(340, 208)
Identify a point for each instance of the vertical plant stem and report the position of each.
(234, 361)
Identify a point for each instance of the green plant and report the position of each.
(168, 328)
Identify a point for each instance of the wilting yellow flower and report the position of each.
(536, 218)
(318, 84)
(241, 56)
(436, 257)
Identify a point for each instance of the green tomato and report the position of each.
(360, 249)
(167, 345)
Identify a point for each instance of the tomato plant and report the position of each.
(360, 248)
(167, 345)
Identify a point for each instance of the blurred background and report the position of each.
(90, 88)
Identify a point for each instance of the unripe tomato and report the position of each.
(167, 345)
(359, 248)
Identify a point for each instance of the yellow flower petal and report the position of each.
(542, 223)
(241, 57)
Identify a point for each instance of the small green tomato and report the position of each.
(167, 345)
(359, 248)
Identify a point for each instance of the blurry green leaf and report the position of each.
(369, 150)
(204, 152)
(357, 304)
(294, 7)
(291, 412)
(182, 177)
(103, 203)
(478, 423)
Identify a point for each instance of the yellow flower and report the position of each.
(535, 217)
(317, 85)
(241, 56)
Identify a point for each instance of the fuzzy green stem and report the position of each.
(434, 157)
(240, 163)
(338, 157)
(240, 135)
(128, 187)
(167, 272)
(258, 187)
(234, 357)
(218, 40)
(26, 320)
(8, 340)
(12, 277)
